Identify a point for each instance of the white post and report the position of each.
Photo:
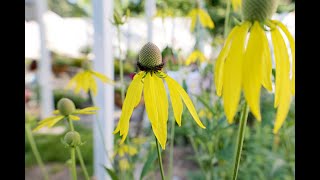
(150, 8)
(44, 72)
(103, 63)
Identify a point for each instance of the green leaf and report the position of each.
(148, 164)
(111, 173)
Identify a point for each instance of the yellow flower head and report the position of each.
(124, 164)
(236, 4)
(124, 149)
(150, 81)
(205, 113)
(247, 65)
(66, 109)
(85, 79)
(194, 56)
(205, 19)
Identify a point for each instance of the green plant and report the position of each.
(78, 100)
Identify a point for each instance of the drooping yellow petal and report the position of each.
(266, 64)
(201, 56)
(49, 119)
(193, 15)
(102, 77)
(232, 73)
(176, 102)
(218, 68)
(152, 108)
(87, 77)
(132, 99)
(79, 82)
(162, 103)
(93, 86)
(87, 109)
(194, 56)
(56, 112)
(73, 81)
(205, 19)
(49, 122)
(191, 58)
(74, 118)
(283, 94)
(292, 47)
(252, 69)
(184, 96)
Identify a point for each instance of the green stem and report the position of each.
(70, 124)
(35, 151)
(171, 148)
(160, 159)
(226, 21)
(240, 138)
(120, 66)
(83, 166)
(73, 161)
(197, 155)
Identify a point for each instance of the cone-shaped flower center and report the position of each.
(150, 57)
(66, 106)
(258, 10)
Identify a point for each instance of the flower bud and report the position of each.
(66, 106)
(72, 138)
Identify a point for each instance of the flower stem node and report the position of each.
(86, 65)
(258, 10)
(72, 139)
(66, 106)
(150, 58)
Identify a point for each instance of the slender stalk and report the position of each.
(226, 21)
(72, 154)
(120, 65)
(171, 148)
(73, 161)
(197, 155)
(83, 166)
(70, 124)
(160, 159)
(35, 151)
(240, 138)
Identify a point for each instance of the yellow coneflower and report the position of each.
(85, 79)
(66, 109)
(194, 56)
(205, 19)
(236, 4)
(124, 164)
(247, 65)
(150, 81)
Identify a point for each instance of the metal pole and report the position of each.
(103, 63)
(44, 72)
(150, 8)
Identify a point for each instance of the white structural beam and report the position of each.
(44, 71)
(150, 9)
(103, 63)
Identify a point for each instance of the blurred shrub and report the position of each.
(78, 100)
